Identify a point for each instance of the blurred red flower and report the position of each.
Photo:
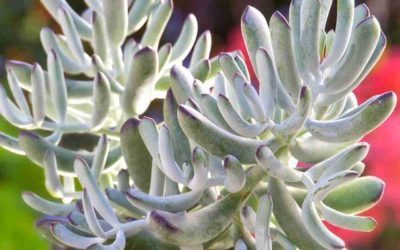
(384, 157)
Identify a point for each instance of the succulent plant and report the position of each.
(224, 168)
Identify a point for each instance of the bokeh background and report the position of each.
(20, 24)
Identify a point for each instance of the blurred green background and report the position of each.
(20, 24)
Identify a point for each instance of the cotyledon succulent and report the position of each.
(222, 170)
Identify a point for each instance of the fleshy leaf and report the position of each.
(99, 200)
(136, 155)
(357, 125)
(214, 139)
(141, 82)
(171, 203)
